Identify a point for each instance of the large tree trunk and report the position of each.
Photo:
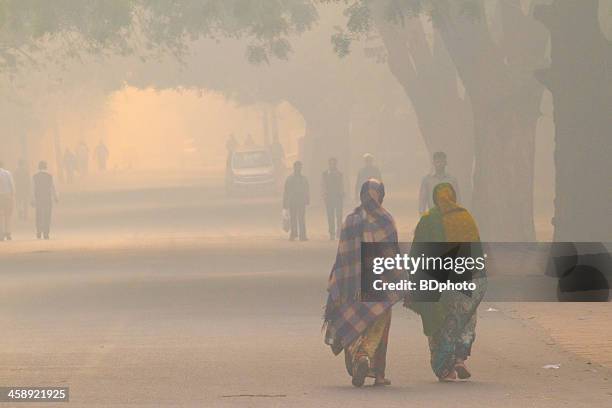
(503, 174)
(505, 102)
(580, 80)
(430, 81)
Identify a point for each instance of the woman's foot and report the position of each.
(382, 381)
(360, 370)
(450, 377)
(462, 372)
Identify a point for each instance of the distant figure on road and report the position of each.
(333, 196)
(296, 197)
(82, 156)
(102, 154)
(367, 172)
(23, 189)
(361, 329)
(7, 200)
(45, 196)
(431, 180)
(231, 144)
(70, 165)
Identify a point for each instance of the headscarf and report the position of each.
(459, 226)
(445, 197)
(345, 316)
(372, 195)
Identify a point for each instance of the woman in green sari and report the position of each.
(450, 322)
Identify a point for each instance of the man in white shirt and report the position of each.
(7, 199)
(431, 180)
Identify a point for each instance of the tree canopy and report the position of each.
(30, 28)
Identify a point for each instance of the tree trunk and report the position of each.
(430, 82)
(580, 80)
(505, 102)
(503, 174)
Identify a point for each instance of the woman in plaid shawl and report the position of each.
(361, 329)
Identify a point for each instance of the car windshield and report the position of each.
(245, 160)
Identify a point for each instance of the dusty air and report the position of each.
(235, 203)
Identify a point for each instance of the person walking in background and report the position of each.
(449, 322)
(7, 200)
(102, 154)
(70, 165)
(45, 196)
(431, 180)
(23, 189)
(296, 197)
(333, 195)
(361, 329)
(367, 172)
(82, 158)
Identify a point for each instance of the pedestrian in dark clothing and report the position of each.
(296, 197)
(333, 195)
(70, 165)
(102, 154)
(44, 198)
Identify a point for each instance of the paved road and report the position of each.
(201, 322)
(180, 297)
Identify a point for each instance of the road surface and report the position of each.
(200, 302)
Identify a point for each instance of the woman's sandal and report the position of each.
(360, 370)
(381, 383)
(450, 377)
(462, 372)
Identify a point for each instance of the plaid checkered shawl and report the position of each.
(345, 316)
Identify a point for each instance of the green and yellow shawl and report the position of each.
(446, 222)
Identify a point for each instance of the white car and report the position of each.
(251, 169)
